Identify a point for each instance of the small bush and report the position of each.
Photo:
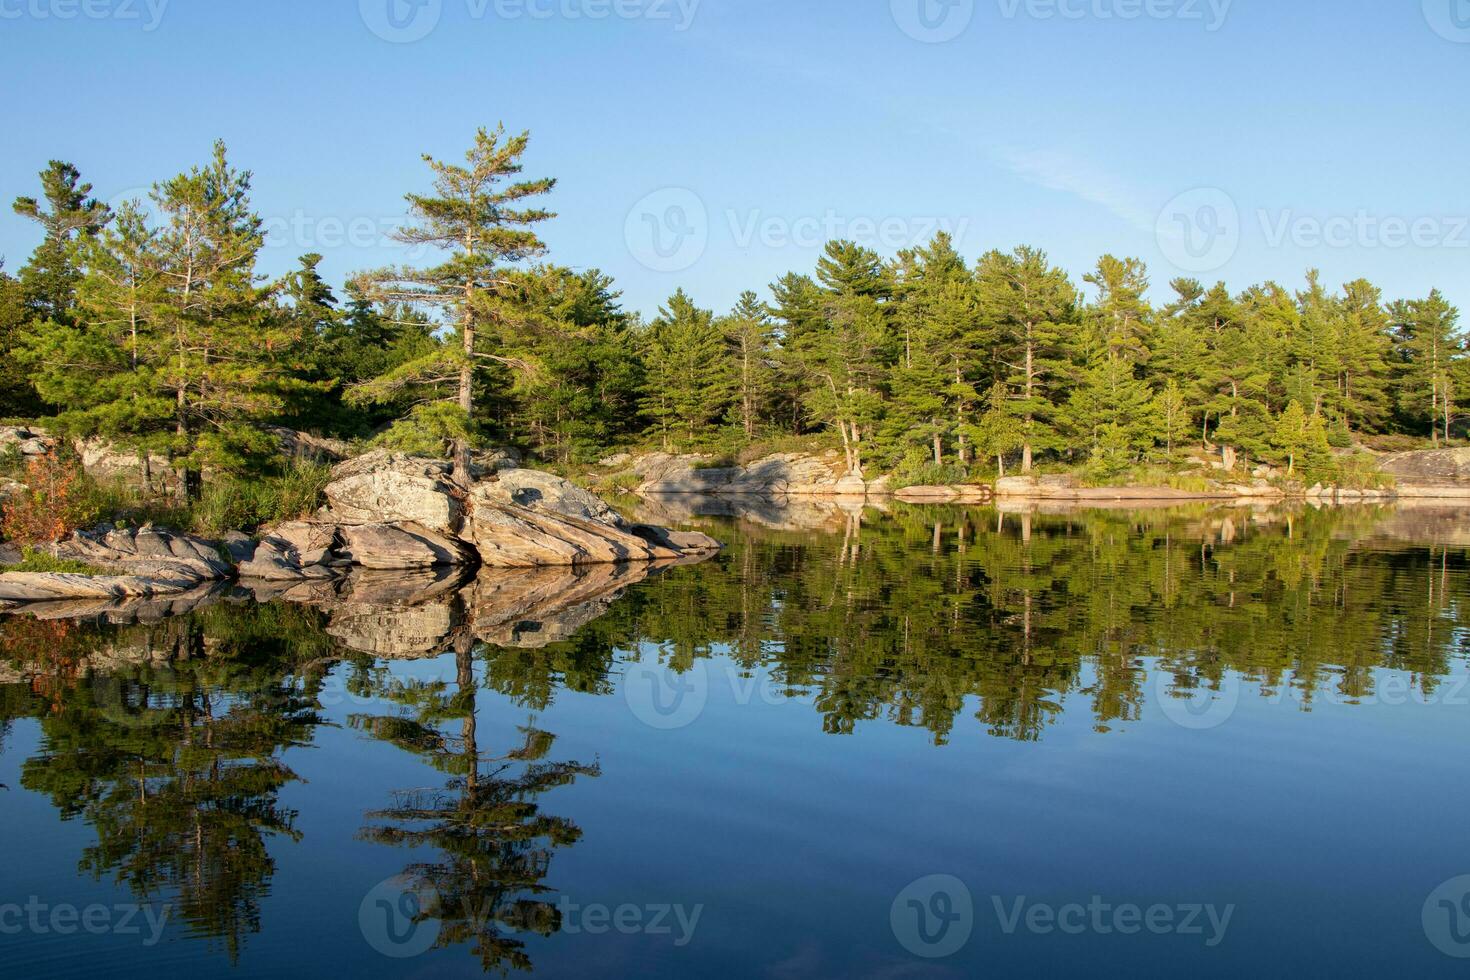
(1360, 472)
(1339, 436)
(1396, 443)
(236, 504)
(913, 473)
(55, 503)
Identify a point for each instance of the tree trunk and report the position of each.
(467, 404)
(1030, 419)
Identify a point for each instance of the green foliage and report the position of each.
(41, 561)
(159, 336)
(919, 470)
(233, 504)
(688, 385)
(478, 217)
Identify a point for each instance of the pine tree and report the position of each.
(939, 333)
(750, 339)
(17, 393)
(1431, 350)
(688, 384)
(1031, 305)
(843, 362)
(476, 216)
(586, 378)
(1171, 416)
(1291, 437)
(214, 326)
(101, 366)
(66, 213)
(1362, 351)
(797, 304)
(1001, 430)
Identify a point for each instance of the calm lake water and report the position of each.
(933, 742)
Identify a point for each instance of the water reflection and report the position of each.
(165, 727)
(492, 842)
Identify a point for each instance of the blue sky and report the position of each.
(713, 143)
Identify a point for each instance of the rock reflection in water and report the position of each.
(423, 614)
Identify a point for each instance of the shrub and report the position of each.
(1360, 471)
(923, 472)
(235, 504)
(55, 503)
(1396, 443)
(1339, 436)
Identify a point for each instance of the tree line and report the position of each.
(151, 326)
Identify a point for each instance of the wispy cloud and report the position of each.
(1059, 171)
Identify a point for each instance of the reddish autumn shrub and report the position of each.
(55, 503)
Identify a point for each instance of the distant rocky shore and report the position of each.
(1429, 474)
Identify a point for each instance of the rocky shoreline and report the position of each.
(1433, 474)
(385, 512)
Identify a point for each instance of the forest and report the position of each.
(150, 326)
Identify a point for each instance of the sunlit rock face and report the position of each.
(388, 511)
(385, 512)
(144, 563)
(1440, 469)
(796, 474)
(390, 488)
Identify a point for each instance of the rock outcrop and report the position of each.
(25, 441)
(143, 563)
(793, 474)
(391, 488)
(385, 512)
(388, 511)
(1433, 473)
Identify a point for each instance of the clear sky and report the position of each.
(715, 143)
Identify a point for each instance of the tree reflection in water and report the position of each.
(167, 733)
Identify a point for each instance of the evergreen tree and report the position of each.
(17, 393)
(1031, 304)
(932, 384)
(66, 213)
(797, 305)
(750, 338)
(1171, 415)
(585, 378)
(1362, 351)
(843, 362)
(214, 325)
(1292, 437)
(688, 384)
(1431, 350)
(1002, 428)
(477, 217)
(102, 366)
